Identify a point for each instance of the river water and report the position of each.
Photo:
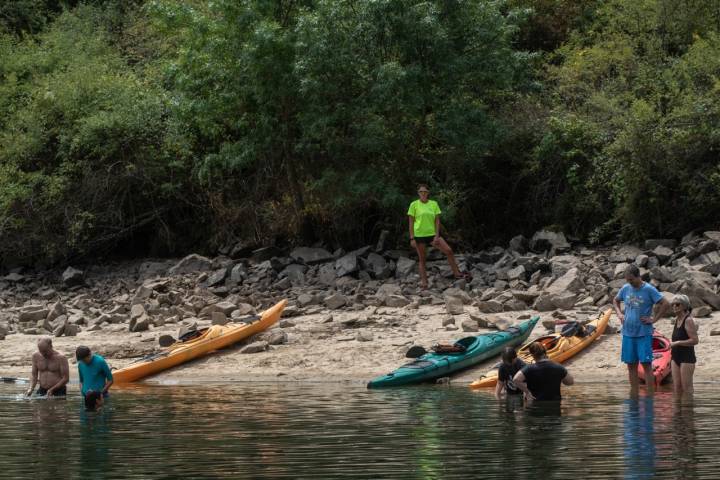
(332, 431)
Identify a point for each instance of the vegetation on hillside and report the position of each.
(159, 126)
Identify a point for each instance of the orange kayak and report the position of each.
(559, 347)
(662, 358)
(208, 341)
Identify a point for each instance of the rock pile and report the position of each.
(544, 273)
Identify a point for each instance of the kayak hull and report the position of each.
(212, 339)
(559, 348)
(662, 359)
(433, 365)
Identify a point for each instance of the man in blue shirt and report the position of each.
(637, 322)
(95, 375)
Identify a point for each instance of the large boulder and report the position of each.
(326, 275)
(193, 263)
(72, 277)
(335, 301)
(653, 243)
(378, 266)
(33, 313)
(217, 277)
(237, 274)
(311, 256)
(404, 267)
(694, 288)
(346, 264)
(662, 275)
(544, 303)
(708, 262)
(277, 337)
(490, 256)
(564, 301)
(456, 292)
(545, 240)
(490, 306)
(499, 322)
(219, 318)
(569, 282)
(514, 305)
(562, 263)
(454, 305)
(518, 244)
(469, 325)
(517, 273)
(396, 301)
(662, 253)
(527, 296)
(295, 273)
(255, 347)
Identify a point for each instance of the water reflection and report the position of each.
(279, 431)
(684, 437)
(638, 436)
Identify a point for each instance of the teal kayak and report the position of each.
(476, 349)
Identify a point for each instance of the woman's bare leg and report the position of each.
(421, 251)
(677, 378)
(688, 370)
(442, 245)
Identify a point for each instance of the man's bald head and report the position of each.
(45, 346)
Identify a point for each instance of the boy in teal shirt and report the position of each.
(95, 375)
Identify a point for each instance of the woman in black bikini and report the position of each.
(684, 339)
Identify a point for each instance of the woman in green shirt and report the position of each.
(424, 225)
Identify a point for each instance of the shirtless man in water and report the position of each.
(51, 368)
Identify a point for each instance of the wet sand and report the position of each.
(322, 351)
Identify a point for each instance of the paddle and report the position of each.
(13, 380)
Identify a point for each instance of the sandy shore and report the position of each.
(324, 349)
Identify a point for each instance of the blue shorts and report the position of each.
(637, 349)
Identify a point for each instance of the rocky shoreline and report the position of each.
(351, 315)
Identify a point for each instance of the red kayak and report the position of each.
(661, 358)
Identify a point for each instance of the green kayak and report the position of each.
(476, 349)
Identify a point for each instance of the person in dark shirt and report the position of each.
(506, 372)
(541, 380)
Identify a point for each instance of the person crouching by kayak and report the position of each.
(506, 372)
(424, 225)
(93, 371)
(542, 379)
(684, 339)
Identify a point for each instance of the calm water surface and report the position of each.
(328, 431)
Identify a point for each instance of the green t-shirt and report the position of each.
(424, 215)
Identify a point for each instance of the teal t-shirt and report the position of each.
(94, 374)
(424, 215)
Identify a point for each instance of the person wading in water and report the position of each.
(684, 339)
(542, 379)
(637, 321)
(506, 372)
(424, 226)
(51, 369)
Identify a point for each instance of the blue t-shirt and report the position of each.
(94, 374)
(638, 303)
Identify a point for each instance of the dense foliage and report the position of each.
(153, 127)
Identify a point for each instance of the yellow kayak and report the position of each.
(559, 348)
(207, 341)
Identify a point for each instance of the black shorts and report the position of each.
(60, 392)
(425, 240)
